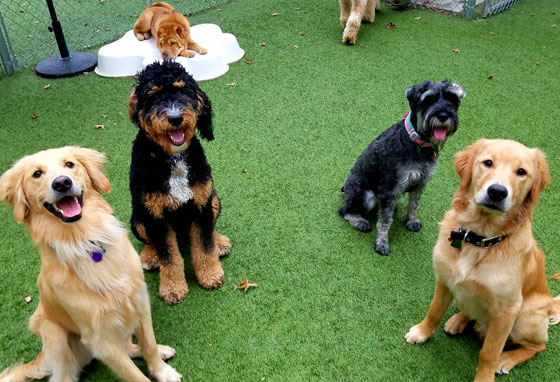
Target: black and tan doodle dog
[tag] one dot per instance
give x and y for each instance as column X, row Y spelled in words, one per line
column 173, row 196
column 402, row 159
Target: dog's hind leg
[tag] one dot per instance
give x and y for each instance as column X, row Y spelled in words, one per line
column 369, row 12
column 31, row 370
column 412, row 222
column 510, row 359
column 345, row 6
column 354, row 21
column 222, row 241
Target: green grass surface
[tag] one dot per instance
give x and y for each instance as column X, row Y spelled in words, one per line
column 327, row 307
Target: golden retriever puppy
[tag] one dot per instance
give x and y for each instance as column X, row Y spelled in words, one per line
column 92, row 294
column 487, row 260
column 352, row 13
column 169, row 28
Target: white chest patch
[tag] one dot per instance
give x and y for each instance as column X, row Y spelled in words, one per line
column 179, row 183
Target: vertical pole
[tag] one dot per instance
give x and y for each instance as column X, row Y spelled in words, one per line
column 7, row 61
column 57, row 28
column 469, row 8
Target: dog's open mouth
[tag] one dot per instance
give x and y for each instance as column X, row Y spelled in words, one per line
column 68, row 209
column 492, row 207
column 177, row 137
column 440, row 133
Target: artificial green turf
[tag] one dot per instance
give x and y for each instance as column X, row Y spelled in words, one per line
column 327, row 307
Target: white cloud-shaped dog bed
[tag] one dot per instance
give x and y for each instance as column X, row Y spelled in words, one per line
column 127, row 56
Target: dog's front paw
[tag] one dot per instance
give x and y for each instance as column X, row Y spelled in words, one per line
column 382, row 247
column 165, row 352
column 413, row 225
column 202, row 50
column 223, row 244
column 456, row 324
column 212, row 277
column 167, row 374
column 416, row 335
column 186, row 53
column 141, row 36
column 173, row 294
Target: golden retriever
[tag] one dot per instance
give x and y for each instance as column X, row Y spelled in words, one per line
column 92, row 294
column 170, row 29
column 502, row 287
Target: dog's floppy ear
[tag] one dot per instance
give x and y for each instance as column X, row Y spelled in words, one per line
column 204, row 112
column 413, row 91
column 457, row 90
column 11, row 191
column 542, row 177
column 93, row 162
column 464, row 161
column 132, row 107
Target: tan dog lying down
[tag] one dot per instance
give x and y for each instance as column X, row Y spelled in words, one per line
column 170, row 29
column 499, row 282
column 92, row 294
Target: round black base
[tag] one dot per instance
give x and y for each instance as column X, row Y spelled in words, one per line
column 57, row 67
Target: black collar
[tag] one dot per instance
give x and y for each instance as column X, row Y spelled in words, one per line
column 457, row 238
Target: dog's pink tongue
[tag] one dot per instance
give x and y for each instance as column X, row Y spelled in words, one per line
column 440, row 133
column 70, row 207
column 177, row 136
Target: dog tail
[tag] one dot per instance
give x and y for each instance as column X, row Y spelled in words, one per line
column 25, row 372
column 554, row 314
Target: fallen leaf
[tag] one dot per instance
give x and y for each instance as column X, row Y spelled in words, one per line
column 262, row 44
column 244, row 171
column 219, row 9
column 249, row 61
column 295, row 46
column 27, row 299
column 275, row 14
column 104, row 116
column 456, row 50
column 98, row 127
column 537, row 62
column 532, row 14
column 302, row 33
column 245, row 285
column 34, row 115
column 492, row 33
column 490, row 77
column 231, row 84
column 417, row 18
column 555, row 25
column 455, row 64
column 390, row 26
column 47, row 86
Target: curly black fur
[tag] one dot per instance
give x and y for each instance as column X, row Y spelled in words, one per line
column 152, row 167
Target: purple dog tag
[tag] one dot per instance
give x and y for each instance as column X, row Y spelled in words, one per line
column 97, row 256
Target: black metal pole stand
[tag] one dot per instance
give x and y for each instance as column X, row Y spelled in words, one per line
column 66, row 64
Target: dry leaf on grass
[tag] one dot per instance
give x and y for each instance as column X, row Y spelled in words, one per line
column 492, row 33
column 555, row 25
column 418, row 18
column 456, row 50
column 231, row 84
column 490, row 77
column 390, row 26
column 104, row 116
column 27, row 299
column 47, row 86
column 100, row 127
column 245, row 285
column 302, row 33
column 262, row 44
column 275, row 14
column 244, row 171
column 249, row 61
column 34, row 115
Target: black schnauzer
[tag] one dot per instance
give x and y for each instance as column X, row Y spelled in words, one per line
column 173, row 196
column 402, row 159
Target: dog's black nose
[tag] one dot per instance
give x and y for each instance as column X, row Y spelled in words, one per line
column 443, row 116
column 497, row 193
column 62, row 183
column 175, row 120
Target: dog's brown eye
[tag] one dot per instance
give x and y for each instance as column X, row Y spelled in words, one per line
column 521, row 172
column 37, row 174
column 487, row 163
column 69, row 164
